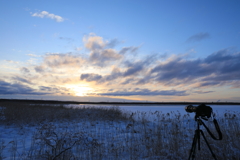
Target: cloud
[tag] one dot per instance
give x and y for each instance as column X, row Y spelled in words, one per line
column 129, row 69
column 209, row 83
column 144, row 92
column 128, row 81
column 116, row 73
column 133, row 69
column 56, row 60
column 218, row 68
column 7, row 88
column 223, row 55
column 24, row 70
column 103, row 56
column 112, row 43
column 100, row 54
column 17, row 88
column 198, row 37
column 45, row 14
column 93, row 42
column 110, row 67
column 39, row 69
column 202, row 92
column 20, row 79
column 69, row 40
column 59, row 62
column 54, row 89
column 138, row 66
column 178, row 68
column 90, row 77
column 130, row 49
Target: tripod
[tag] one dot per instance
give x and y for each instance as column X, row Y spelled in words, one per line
column 196, row 140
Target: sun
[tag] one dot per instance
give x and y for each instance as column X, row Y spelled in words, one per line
column 82, row 90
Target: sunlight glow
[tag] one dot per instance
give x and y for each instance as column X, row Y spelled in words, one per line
column 80, row 90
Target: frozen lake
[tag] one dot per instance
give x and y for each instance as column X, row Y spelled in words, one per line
column 220, row 109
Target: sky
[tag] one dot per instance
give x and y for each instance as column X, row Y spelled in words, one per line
column 120, row 50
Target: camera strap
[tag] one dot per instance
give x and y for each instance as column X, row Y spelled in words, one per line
column 216, row 127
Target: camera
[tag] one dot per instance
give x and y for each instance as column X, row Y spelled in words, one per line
column 202, row 110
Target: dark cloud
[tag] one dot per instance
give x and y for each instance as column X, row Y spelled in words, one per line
column 198, row 37
column 104, row 57
column 209, row 83
column 126, row 50
column 24, row 70
column 145, row 92
column 134, row 68
column 90, row 77
column 53, row 89
column 66, row 39
column 39, row 69
column 17, row 78
column 128, row 81
column 219, row 68
column 144, row 80
column 112, row 43
column 202, row 92
column 215, row 69
column 131, row 69
column 179, row 69
column 225, row 61
column 116, row 73
column 220, row 56
column 17, row 88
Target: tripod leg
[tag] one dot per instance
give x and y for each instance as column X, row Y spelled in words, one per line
column 194, row 143
column 198, row 139
column 214, row 156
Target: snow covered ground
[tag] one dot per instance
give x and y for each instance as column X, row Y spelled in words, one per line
column 152, row 132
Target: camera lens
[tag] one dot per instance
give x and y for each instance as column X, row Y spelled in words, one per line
column 190, row 108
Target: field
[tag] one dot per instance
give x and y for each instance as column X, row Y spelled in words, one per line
column 51, row 131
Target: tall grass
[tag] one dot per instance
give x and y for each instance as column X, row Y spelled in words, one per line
column 33, row 114
column 110, row 133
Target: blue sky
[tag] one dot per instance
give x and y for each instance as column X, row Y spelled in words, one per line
column 120, row 50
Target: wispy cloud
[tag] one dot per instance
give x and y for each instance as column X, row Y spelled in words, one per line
column 198, row 37
column 20, row 79
column 45, row 14
column 69, row 40
column 144, row 92
column 62, row 60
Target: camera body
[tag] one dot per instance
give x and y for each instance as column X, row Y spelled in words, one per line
column 202, row 110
